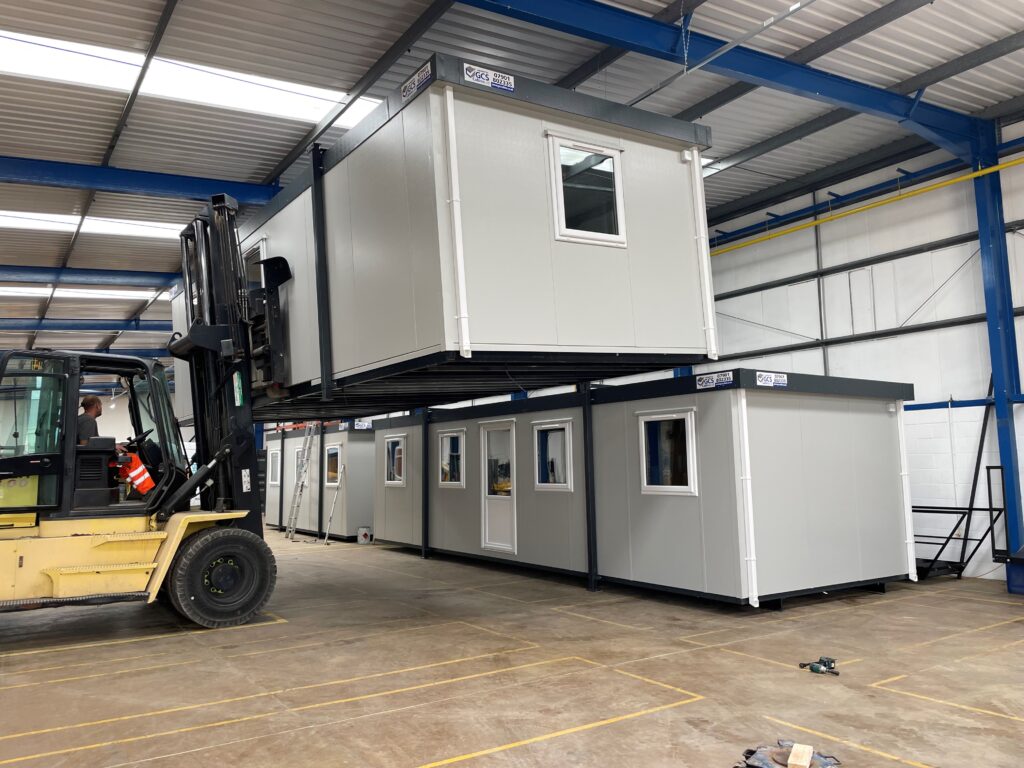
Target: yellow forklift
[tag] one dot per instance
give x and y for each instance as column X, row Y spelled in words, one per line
column 69, row 535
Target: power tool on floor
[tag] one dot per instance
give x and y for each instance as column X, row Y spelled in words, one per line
column 825, row 665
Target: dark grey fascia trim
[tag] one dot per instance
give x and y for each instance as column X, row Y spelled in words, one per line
column 506, row 408
column 449, row 69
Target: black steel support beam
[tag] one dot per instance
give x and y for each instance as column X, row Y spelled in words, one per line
column 321, row 484
column 961, row 64
column 362, row 86
column 108, row 153
column 605, row 58
column 830, row 42
column 588, row 482
column 425, row 480
column 323, row 286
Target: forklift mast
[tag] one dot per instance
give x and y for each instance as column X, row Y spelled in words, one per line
column 234, row 343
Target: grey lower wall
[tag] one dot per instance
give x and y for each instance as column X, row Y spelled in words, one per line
column 828, row 500
column 685, row 542
column 550, row 523
column 398, row 510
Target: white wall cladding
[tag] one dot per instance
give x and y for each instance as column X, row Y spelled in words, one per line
column 939, row 284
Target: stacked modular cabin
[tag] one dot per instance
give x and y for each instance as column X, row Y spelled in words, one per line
column 481, row 232
column 745, row 486
column 338, row 498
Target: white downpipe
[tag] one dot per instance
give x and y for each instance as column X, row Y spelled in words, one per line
column 747, row 491
column 700, row 228
column 908, row 509
column 455, row 205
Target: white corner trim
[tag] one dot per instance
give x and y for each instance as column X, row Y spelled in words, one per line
column 908, row 509
column 455, row 206
column 700, row 237
column 747, row 499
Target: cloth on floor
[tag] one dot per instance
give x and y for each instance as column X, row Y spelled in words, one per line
column 773, row 757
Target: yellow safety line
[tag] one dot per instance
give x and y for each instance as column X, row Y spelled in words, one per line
column 965, row 631
column 790, row 667
column 657, row 682
column 603, row 621
column 977, row 710
column 867, row 207
column 251, row 696
column 262, row 715
column 80, row 664
column 848, row 743
column 563, row 732
column 347, row 639
column 97, row 674
column 161, row 636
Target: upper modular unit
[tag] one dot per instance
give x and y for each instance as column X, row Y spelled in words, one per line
column 509, row 232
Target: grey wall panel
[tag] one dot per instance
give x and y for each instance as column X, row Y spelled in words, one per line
column 397, row 510
column 827, row 499
column 646, row 295
column 182, row 380
column 290, row 234
column 688, row 542
column 359, row 454
column 550, row 524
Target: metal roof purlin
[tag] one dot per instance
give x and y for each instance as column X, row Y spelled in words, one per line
column 953, row 131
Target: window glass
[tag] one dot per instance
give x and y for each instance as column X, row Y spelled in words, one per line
column 666, row 453
column 333, row 465
column 499, row 462
column 395, row 468
column 552, row 456
column 451, row 458
column 31, row 416
column 588, row 191
column 274, row 468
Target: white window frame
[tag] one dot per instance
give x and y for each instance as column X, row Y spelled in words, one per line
column 689, row 416
column 295, row 464
column 563, row 232
column 271, row 455
column 461, row 434
column 400, row 439
column 327, row 455
column 538, row 426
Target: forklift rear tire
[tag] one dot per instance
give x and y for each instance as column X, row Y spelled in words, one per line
column 222, row 577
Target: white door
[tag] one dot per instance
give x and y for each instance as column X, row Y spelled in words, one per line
column 499, row 474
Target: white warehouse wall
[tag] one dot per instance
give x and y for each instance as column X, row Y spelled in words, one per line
column 935, row 285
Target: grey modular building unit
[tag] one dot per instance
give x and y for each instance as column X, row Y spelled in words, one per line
column 744, row 486
column 339, row 480
column 480, row 230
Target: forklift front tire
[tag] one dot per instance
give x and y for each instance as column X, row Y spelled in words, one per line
column 222, row 577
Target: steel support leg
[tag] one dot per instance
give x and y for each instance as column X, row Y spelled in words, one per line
column 588, row 481
column 1002, row 341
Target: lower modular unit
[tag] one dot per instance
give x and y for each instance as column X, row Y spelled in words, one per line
column 338, row 497
column 741, row 485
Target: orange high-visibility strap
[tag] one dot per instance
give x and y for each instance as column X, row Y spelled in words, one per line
column 136, row 472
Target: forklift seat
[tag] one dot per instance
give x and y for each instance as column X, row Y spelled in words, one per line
column 94, row 481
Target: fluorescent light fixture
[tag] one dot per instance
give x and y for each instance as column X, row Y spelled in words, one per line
column 60, row 222
column 63, row 61
column 42, row 291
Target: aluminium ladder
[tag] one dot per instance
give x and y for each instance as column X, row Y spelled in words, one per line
column 301, row 478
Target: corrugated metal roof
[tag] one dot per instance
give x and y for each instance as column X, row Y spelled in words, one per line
column 201, row 140
column 9, row 340
column 18, row 306
column 69, row 340
column 56, row 121
column 110, row 23
column 23, row 197
column 93, row 251
column 325, row 44
column 733, row 130
column 90, row 308
column 31, row 248
column 136, row 207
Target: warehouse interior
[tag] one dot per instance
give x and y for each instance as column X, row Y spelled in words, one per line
column 717, row 456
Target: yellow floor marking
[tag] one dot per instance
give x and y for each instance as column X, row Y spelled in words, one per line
column 658, row 683
column 251, row 696
column 760, row 658
column 162, row 636
column 848, row 743
column 302, row 635
column 319, row 643
column 81, row 664
column 563, row 732
column 303, row 708
column 881, row 685
column 848, row 662
column 97, row 674
column 603, row 621
column 963, row 632
column 1018, row 603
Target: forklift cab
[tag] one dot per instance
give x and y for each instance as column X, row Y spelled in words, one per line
column 46, row 472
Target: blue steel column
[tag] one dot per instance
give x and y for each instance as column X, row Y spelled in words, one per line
column 1002, row 339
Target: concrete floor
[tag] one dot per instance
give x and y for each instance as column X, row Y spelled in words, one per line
column 370, row 656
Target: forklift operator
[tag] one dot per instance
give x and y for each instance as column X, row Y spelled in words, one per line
column 92, row 409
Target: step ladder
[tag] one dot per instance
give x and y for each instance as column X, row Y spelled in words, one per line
column 334, row 502
column 301, row 479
